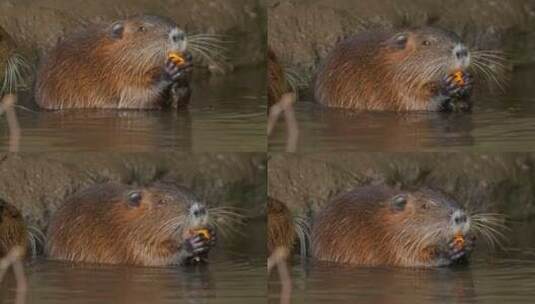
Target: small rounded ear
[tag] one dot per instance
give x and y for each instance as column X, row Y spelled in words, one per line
column 399, row 202
column 117, row 30
column 134, row 198
column 399, row 41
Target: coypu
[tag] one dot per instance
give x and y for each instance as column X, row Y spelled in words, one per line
column 13, row 230
column 277, row 84
column 112, row 223
column 123, row 65
column 377, row 225
column 281, row 97
column 422, row 69
column 280, row 226
column 14, row 70
column 283, row 229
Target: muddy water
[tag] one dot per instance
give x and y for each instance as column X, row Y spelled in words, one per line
column 493, row 277
column 236, row 274
column 499, row 122
column 227, row 113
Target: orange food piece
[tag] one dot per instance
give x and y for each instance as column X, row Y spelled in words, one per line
column 458, row 241
column 204, row 232
column 458, row 77
column 176, row 58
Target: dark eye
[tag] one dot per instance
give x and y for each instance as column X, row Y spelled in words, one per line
column 117, row 30
column 141, row 28
column 426, row 43
column 134, row 199
column 399, row 202
column 400, row 41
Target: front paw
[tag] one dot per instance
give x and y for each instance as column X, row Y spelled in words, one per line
column 175, row 72
column 459, row 254
column 200, row 244
column 458, row 85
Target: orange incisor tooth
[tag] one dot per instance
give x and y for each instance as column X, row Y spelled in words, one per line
column 176, row 58
column 203, row 232
column 458, row 77
column 458, row 241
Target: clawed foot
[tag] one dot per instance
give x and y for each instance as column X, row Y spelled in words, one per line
column 460, row 254
column 198, row 246
column 455, row 88
column 174, row 72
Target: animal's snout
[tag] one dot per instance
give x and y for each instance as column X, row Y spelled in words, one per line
column 461, row 53
column 177, row 35
column 461, row 56
column 198, row 210
column 459, row 219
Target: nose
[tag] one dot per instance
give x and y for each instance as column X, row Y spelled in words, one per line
column 178, row 36
column 459, row 217
column 198, row 210
column 461, row 53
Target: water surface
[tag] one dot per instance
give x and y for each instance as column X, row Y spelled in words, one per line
column 499, row 122
column 235, row 274
column 226, row 113
column 498, row 276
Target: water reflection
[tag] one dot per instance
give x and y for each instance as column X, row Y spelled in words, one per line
column 236, row 274
column 498, row 122
column 492, row 277
column 227, row 113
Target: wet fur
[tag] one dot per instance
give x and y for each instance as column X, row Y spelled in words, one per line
column 360, row 228
column 91, row 69
column 277, row 84
column 284, row 229
column 367, row 72
column 98, row 226
column 15, row 72
column 13, row 231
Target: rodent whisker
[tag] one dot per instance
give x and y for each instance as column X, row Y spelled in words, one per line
column 302, row 229
column 295, row 80
column 429, row 238
column 416, row 79
column 496, row 53
column 172, row 225
column 487, row 225
column 495, row 60
column 210, row 48
column 488, row 73
column 37, row 237
column 226, row 221
column 209, row 55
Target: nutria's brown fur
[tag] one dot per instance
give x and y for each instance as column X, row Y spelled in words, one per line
column 280, row 226
column 377, row 225
column 14, row 69
column 7, row 47
column 13, row 230
column 396, row 71
column 277, row 84
column 120, row 65
column 285, row 230
column 118, row 224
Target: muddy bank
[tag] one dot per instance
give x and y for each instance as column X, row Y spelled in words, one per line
column 37, row 25
column 38, row 184
column 481, row 182
column 302, row 32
